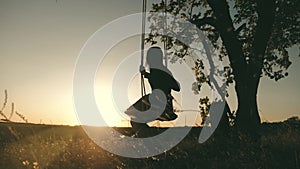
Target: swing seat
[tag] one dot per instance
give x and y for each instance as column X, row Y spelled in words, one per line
column 138, row 109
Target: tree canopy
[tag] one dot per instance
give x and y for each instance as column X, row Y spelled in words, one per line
column 254, row 35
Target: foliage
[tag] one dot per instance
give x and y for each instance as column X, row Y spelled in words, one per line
column 204, row 108
column 285, row 30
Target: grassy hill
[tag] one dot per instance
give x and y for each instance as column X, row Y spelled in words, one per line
column 24, row 145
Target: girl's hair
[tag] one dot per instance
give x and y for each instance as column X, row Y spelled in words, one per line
column 155, row 57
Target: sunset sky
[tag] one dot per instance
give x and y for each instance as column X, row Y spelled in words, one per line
column 41, row 40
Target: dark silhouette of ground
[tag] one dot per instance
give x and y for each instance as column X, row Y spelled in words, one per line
column 47, row 146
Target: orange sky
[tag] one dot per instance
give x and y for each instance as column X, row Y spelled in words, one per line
column 40, row 41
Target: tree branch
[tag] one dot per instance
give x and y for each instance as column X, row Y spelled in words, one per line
column 205, row 21
column 238, row 30
column 231, row 42
column 262, row 35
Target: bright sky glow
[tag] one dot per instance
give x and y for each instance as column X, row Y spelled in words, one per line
column 40, row 41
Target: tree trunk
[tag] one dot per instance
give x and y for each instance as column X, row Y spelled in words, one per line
column 247, row 118
column 246, row 89
column 247, row 74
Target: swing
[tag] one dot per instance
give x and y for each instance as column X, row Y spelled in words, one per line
column 165, row 26
column 143, row 104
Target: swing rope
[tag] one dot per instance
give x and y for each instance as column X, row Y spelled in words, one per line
column 165, row 26
column 143, row 89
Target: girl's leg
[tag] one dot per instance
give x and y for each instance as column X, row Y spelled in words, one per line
column 139, row 129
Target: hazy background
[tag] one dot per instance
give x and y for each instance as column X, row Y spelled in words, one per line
column 40, row 41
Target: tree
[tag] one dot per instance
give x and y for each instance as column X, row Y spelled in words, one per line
column 255, row 36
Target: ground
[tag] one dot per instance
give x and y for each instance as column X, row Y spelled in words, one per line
column 24, row 145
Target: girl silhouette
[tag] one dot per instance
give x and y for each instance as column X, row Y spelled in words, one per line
column 161, row 78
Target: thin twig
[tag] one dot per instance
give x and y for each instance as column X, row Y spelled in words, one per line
column 22, row 117
column 5, row 100
column 12, row 110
